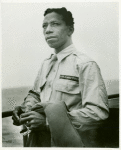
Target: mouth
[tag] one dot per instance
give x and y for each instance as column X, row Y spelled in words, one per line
column 51, row 37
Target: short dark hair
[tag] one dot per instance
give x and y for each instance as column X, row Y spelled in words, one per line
column 66, row 15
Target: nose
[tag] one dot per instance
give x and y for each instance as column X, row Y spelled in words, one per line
column 48, row 29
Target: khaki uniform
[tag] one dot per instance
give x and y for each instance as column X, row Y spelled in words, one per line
column 74, row 78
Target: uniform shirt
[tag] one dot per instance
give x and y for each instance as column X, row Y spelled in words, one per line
column 74, row 78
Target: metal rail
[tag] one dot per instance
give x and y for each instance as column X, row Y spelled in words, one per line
column 113, row 96
column 9, row 113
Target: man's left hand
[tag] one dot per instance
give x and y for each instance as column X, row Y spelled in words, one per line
column 35, row 120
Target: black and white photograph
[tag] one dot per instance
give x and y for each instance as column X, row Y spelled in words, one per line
column 60, row 74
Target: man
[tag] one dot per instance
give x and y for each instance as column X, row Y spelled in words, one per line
column 69, row 91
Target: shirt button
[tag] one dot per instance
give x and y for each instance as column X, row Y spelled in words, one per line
column 54, row 70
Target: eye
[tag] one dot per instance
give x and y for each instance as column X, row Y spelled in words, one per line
column 44, row 26
column 55, row 24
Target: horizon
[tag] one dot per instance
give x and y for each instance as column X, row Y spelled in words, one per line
column 32, row 85
column 112, row 87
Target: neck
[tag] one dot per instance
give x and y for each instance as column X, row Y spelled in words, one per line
column 69, row 42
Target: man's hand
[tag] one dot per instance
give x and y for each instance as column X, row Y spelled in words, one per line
column 16, row 115
column 35, row 120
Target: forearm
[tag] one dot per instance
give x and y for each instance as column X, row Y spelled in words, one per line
column 86, row 119
column 31, row 99
column 91, row 114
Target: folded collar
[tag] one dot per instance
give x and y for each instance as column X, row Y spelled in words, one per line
column 65, row 52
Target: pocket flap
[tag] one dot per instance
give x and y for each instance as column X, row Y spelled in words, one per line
column 67, row 87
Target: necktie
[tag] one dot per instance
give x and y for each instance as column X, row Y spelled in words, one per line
column 51, row 63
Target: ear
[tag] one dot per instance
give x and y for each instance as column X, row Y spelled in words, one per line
column 70, row 30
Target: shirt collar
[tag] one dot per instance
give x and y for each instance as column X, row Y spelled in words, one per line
column 65, row 52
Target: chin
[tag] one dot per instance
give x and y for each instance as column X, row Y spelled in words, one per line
column 53, row 45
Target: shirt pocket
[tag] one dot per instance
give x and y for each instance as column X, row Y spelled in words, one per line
column 69, row 92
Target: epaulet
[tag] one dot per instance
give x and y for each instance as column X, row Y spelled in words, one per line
column 82, row 58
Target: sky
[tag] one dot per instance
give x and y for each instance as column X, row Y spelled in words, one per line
column 24, row 48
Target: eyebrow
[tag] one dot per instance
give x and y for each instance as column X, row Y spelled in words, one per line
column 51, row 22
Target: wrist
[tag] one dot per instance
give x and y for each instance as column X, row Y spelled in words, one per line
column 44, row 104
